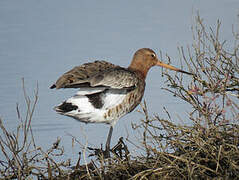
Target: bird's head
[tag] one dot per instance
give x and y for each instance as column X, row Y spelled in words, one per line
column 146, row 58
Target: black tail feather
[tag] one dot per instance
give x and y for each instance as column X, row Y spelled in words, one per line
column 65, row 107
column 53, row 86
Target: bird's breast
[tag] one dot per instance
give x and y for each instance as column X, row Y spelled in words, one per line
column 118, row 105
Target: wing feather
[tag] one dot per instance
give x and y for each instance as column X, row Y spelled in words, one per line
column 100, row 74
column 79, row 75
column 117, row 78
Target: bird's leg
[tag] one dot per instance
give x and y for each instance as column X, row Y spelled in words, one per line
column 106, row 153
column 107, row 145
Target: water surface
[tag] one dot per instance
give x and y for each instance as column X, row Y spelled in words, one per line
column 40, row 40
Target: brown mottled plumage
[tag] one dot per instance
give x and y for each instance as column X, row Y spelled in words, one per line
column 71, row 78
column 107, row 91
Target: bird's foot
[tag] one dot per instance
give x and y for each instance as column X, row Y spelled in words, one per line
column 120, row 150
column 99, row 152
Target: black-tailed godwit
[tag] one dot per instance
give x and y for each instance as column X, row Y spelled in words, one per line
column 107, row 91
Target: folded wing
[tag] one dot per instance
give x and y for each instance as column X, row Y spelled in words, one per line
column 81, row 73
column 99, row 74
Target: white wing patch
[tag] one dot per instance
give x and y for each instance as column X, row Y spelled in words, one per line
column 113, row 97
column 90, row 90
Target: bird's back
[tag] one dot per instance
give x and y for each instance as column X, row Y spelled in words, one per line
column 82, row 72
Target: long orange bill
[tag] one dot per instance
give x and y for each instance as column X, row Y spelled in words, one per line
column 159, row 63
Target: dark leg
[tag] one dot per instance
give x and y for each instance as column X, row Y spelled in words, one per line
column 107, row 145
column 106, row 153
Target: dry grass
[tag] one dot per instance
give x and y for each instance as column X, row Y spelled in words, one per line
column 207, row 149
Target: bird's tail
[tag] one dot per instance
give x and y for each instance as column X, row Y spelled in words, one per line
column 81, row 109
column 65, row 107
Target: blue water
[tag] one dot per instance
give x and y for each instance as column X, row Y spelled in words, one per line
column 40, row 40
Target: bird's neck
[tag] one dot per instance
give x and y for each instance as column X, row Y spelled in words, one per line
column 140, row 69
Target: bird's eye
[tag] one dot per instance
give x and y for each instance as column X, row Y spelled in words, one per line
column 153, row 55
